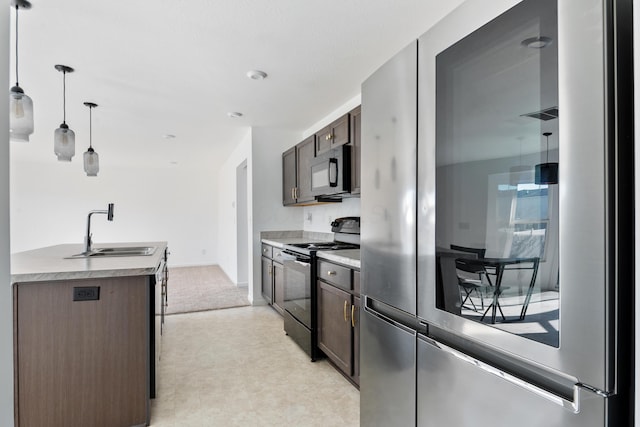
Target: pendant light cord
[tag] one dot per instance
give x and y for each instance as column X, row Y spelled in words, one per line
column 547, row 148
column 64, row 97
column 547, row 135
column 17, row 45
column 90, row 130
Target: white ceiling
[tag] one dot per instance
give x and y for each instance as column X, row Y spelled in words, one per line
column 159, row 67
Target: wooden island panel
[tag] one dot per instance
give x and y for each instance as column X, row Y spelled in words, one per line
column 82, row 363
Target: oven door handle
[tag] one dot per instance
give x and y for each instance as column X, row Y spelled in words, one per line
column 292, row 256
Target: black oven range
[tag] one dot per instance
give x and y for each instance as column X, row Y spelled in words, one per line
column 299, row 262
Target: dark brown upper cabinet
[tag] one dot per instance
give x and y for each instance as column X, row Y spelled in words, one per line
column 333, row 135
column 296, row 172
column 355, row 131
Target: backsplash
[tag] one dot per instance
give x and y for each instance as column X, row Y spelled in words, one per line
column 318, row 218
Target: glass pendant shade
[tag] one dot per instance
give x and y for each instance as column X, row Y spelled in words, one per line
column 91, row 163
column 64, row 139
column 64, row 143
column 20, row 105
column 20, row 115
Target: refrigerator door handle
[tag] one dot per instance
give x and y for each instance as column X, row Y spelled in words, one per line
column 573, row 406
column 384, row 318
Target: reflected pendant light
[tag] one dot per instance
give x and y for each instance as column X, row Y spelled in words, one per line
column 91, row 165
column 520, row 174
column 20, row 105
column 64, row 139
column 547, row 173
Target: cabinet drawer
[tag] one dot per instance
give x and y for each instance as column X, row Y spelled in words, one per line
column 277, row 255
column 336, row 274
column 267, row 251
column 356, row 282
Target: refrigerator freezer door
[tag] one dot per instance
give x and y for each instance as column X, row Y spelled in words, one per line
column 388, row 196
column 387, row 372
column 456, row 390
column 474, row 136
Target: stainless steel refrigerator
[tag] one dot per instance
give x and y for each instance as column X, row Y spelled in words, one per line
column 497, row 220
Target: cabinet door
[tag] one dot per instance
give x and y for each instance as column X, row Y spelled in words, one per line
column 333, row 135
column 355, row 150
column 289, row 176
column 356, row 340
column 278, row 287
column 305, row 152
column 340, row 131
column 334, row 325
column 267, row 280
column 323, row 140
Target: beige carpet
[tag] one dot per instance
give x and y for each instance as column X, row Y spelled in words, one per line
column 202, row 288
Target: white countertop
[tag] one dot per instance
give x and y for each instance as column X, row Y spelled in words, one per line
column 348, row 257
column 51, row 263
column 280, row 242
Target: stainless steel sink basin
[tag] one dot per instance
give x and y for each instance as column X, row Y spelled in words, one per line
column 119, row 251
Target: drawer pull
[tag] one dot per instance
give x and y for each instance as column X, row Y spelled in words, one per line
column 344, row 311
column 331, row 273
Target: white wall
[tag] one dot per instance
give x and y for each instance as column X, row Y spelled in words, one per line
column 50, row 202
column 318, row 218
column 266, row 210
column 6, row 312
column 262, row 148
column 227, row 236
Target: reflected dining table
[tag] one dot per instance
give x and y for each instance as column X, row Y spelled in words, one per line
column 496, row 267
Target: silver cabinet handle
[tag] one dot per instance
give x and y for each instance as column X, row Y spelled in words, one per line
column 332, row 273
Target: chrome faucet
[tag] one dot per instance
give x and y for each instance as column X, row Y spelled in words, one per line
column 87, row 238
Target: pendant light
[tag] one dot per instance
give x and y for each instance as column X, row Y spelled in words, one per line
column 64, row 139
column 547, row 173
column 20, row 105
column 91, row 165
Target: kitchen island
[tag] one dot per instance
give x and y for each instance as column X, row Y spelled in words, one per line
column 86, row 335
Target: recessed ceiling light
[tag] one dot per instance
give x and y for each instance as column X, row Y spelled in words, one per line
column 168, row 136
column 537, row 42
column 256, row 75
column 234, row 114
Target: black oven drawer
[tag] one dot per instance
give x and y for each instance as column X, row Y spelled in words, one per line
column 335, row 274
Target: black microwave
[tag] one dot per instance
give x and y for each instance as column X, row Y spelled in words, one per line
column 331, row 172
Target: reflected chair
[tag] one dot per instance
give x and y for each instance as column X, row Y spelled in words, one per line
column 470, row 279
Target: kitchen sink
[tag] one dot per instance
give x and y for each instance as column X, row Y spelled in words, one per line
column 118, row 251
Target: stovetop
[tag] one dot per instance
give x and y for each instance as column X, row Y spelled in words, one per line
column 308, row 248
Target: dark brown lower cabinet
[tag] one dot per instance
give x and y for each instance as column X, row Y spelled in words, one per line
column 278, row 287
column 273, row 277
column 334, row 326
column 356, row 340
column 82, row 352
column 267, row 279
column 339, row 326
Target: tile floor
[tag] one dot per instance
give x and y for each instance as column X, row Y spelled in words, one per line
column 236, row 367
